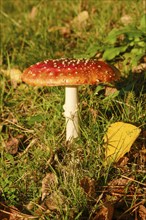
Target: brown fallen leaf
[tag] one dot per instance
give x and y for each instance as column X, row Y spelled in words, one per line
column 142, row 212
column 105, row 212
column 117, row 187
column 49, row 184
column 9, row 213
column 12, row 213
column 110, row 91
column 122, row 163
column 142, row 155
column 12, row 145
column 88, row 186
column 55, row 201
column 140, row 68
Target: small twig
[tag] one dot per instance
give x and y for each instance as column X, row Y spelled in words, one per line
column 127, row 196
column 94, row 207
column 133, row 180
column 132, row 208
column 17, row 214
column 18, row 126
column 28, row 147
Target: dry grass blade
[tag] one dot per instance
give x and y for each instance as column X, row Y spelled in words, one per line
column 131, row 179
column 18, row 126
column 12, row 213
column 32, row 142
column 133, row 208
column 33, row 31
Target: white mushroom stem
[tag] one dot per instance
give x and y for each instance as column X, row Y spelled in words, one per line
column 71, row 112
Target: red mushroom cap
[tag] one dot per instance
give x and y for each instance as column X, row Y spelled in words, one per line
column 68, row 72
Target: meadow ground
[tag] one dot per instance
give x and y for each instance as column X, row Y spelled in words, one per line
column 42, row 176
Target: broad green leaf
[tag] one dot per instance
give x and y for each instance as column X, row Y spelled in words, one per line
column 129, row 31
column 98, row 89
column 138, row 51
column 92, row 50
column 143, row 23
column 134, row 55
column 35, row 119
column 111, row 53
column 118, row 140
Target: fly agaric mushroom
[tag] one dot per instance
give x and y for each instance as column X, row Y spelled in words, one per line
column 70, row 73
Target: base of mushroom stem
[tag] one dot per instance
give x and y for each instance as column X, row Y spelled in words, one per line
column 71, row 113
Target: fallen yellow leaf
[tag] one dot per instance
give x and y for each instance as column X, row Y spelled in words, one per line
column 118, row 140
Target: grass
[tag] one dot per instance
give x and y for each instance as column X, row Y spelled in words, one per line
column 32, row 130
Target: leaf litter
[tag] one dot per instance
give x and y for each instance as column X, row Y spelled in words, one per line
column 104, row 200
